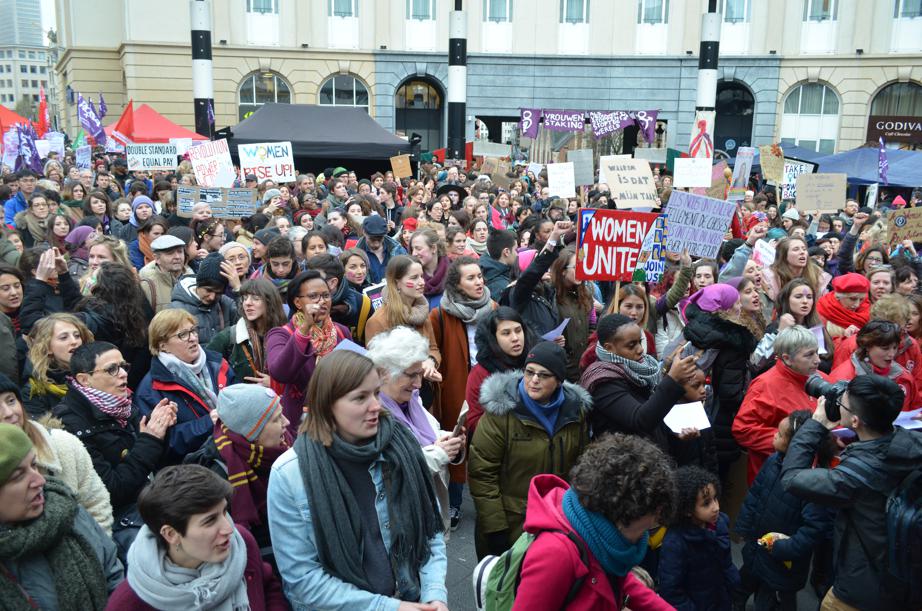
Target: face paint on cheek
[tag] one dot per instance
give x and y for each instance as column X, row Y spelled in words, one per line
column 410, row 285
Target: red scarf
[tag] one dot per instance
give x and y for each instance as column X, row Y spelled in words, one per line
column 833, row 311
column 435, row 284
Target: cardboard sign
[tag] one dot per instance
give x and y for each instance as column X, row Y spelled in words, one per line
column 211, row 162
column 603, row 161
column 771, row 158
column 631, row 183
column 792, row 169
column 224, row 203
column 583, row 170
column 500, row 175
column 268, row 160
column 609, row 243
column 905, row 224
column 692, row 172
column 83, row 157
column 400, row 165
column 560, row 180
column 741, row 171
column 697, row 223
column 823, row 192
column 151, row 157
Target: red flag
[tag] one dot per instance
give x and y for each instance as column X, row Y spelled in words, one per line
column 124, row 129
column 41, row 128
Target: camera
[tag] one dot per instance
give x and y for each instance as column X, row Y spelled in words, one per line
column 818, row 387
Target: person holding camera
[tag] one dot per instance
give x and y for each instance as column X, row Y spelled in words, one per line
column 870, row 470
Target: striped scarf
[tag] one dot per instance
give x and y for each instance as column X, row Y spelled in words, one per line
column 116, row 407
column 645, row 372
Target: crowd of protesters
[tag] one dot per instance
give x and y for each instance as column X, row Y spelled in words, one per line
column 286, row 411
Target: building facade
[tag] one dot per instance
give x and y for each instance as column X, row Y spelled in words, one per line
column 819, row 73
column 25, row 63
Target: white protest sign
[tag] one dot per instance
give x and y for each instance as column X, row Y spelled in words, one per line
column 697, row 223
column 631, row 183
column 151, row 157
column 692, row 172
column 84, row 157
column 56, row 142
column 224, row 203
column 603, row 161
column 211, row 162
column 583, row 172
column 793, row 169
column 182, row 145
column 650, row 154
column 273, row 160
column 764, row 253
column 42, row 147
column 10, row 148
column 560, row 180
column 535, row 168
column 484, row 148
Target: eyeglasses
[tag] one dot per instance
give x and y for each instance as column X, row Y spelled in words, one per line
column 184, row 336
column 114, row 369
column 317, row 297
column 542, row 376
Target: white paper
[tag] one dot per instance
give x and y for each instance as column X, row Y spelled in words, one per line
column 557, row 331
column 43, row 147
column 603, row 159
column 560, row 179
column 687, row 416
column 763, row 253
column 820, row 339
column 692, row 172
column 907, row 419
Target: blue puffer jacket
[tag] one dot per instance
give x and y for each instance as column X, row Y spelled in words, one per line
column 768, row 508
column 696, row 572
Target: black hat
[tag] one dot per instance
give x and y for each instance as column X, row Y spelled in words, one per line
column 209, row 272
column 267, row 234
column 550, row 356
column 7, row 385
column 252, row 177
column 447, row 188
column 374, row 225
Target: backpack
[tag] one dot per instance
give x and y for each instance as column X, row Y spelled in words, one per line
column 496, row 578
column 901, row 575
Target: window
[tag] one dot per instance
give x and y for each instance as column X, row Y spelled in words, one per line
column 43, row 69
column 22, row 54
column 33, row 69
column 35, row 97
column 810, row 117
column 34, row 84
column 907, row 9
column 41, row 55
column 421, row 10
column 498, row 11
column 898, row 100
column 652, row 11
column 261, row 88
column 820, row 10
column 344, row 90
column 25, row 83
column 263, row 7
column 31, row 54
column 343, row 8
column 737, row 11
column 24, row 69
column 574, row 11
column 1, row 69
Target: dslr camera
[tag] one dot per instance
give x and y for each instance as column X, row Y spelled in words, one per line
column 818, row 387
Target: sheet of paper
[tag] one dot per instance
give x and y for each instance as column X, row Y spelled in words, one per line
column 687, row 416
column 556, row 332
column 907, row 419
column 350, row 345
column 820, row 339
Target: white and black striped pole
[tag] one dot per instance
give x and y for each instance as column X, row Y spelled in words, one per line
column 457, row 82
column 706, row 98
column 202, row 80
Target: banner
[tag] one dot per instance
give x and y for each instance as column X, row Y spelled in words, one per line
column 151, row 157
column 528, row 121
column 84, row 157
column 89, row 120
column 702, row 145
column 608, row 122
column 631, row 183
column 583, row 170
column 609, row 243
column 652, row 259
column 697, row 223
column 56, row 143
column 268, row 160
column 741, row 171
column 905, row 224
column 823, row 192
column 692, row 172
column 224, row 203
column 560, row 180
column 564, row 120
column 211, row 162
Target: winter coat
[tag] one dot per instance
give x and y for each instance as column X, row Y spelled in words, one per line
column 908, row 356
column 378, row 323
column 376, row 266
column 40, row 403
column 770, row 399
column 193, row 422
column 475, row 380
column 12, row 207
column 157, row 285
column 39, row 299
column 100, row 318
column 77, row 267
column 535, row 300
column 212, row 318
column 861, row 520
column 696, row 571
column 510, row 447
column 846, row 371
column 233, row 343
column 553, row 563
column 264, row 590
column 496, row 275
column 577, row 331
column 123, row 457
column 9, row 339
column 769, row 508
column 352, row 309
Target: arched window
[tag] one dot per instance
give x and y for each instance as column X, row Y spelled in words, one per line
column 811, row 117
column 262, row 88
column 898, row 100
column 344, row 90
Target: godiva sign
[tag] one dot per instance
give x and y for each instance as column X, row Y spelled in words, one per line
column 895, row 129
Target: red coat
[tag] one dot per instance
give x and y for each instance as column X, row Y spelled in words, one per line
column 846, row 371
column 475, row 378
column 553, row 564
column 770, row 399
column 264, row 590
column 909, row 357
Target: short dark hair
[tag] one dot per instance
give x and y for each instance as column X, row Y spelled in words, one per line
column 608, row 326
column 878, row 333
column 84, row 357
column 691, row 481
column 6, row 268
column 280, row 247
column 876, row 400
column 498, row 241
column 329, row 264
column 453, row 276
column 25, row 173
column 294, row 287
column 179, row 492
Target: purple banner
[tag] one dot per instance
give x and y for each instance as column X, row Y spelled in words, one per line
column 28, row 155
column 102, row 107
column 883, row 165
column 90, row 120
column 528, row 121
column 609, row 121
column 646, row 122
column 564, row 120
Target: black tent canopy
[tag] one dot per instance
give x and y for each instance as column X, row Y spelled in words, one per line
column 327, row 132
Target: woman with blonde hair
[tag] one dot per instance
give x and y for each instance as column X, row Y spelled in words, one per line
column 103, row 249
column 52, row 341
column 792, row 261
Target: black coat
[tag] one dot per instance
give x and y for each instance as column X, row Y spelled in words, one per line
column 535, row 300
column 123, row 457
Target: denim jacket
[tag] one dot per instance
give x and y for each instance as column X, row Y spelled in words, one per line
column 306, row 583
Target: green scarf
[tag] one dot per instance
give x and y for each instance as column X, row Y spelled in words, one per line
column 78, row 577
column 412, row 506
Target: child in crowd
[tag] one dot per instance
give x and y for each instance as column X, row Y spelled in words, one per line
column 696, row 571
column 781, row 530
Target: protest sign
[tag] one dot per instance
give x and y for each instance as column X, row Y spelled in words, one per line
column 905, row 224
column 652, row 259
column 500, row 175
column 741, row 171
column 56, row 142
column 692, row 172
column 211, row 162
column 823, row 192
column 697, row 223
column 763, row 253
column 84, row 157
column 631, row 182
column 606, row 159
column 870, row 196
column 609, row 243
column 535, row 168
column 719, row 182
column 268, row 160
column 10, row 148
column 376, row 294
column 560, row 179
column 150, row 157
column 182, row 145
column 771, row 158
column 583, row 172
column 43, row 147
column 224, row 203
column 484, row 148
column 650, row 154
column 564, row 120
column 792, row 169
column 400, row 165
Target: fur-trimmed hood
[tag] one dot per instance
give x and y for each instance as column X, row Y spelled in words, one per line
column 499, row 394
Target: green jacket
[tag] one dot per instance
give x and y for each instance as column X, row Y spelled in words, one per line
column 510, row 447
column 233, row 343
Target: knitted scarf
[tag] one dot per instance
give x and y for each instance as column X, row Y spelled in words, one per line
column 833, row 311
column 144, row 246
column 470, row 311
column 411, row 502
column 412, row 414
column 77, row 575
column 217, row 586
column 616, row 555
column 323, row 336
column 194, row 376
column 545, row 413
column 479, row 247
column 116, row 407
column 645, row 372
column 435, row 284
column 37, row 228
column 248, row 467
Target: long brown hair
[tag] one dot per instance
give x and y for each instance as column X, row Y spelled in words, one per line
column 558, row 271
column 632, row 290
column 784, row 273
column 398, row 311
column 336, row 375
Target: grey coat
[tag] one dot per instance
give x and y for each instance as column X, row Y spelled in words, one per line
column 212, row 319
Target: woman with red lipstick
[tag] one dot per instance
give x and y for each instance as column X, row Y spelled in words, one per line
column 52, row 342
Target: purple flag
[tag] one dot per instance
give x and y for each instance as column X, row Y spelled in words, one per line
column 528, row 121
column 210, row 113
column 90, row 120
column 883, row 165
column 564, row 120
column 609, row 121
column 28, row 155
column 646, row 122
column 92, row 106
column 102, row 107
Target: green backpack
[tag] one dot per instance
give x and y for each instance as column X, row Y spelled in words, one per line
column 496, row 578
